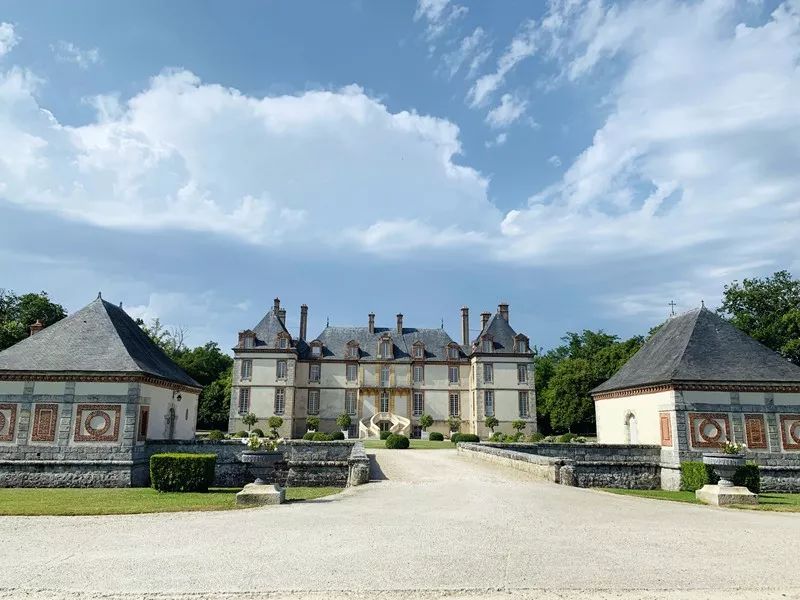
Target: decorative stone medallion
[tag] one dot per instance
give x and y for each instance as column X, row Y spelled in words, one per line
column 45, row 419
column 790, row 432
column 666, row 429
column 97, row 422
column 8, row 421
column 708, row 430
column 755, row 432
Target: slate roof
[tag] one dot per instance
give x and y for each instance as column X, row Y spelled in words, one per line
column 268, row 329
column 335, row 340
column 502, row 334
column 700, row 346
column 99, row 338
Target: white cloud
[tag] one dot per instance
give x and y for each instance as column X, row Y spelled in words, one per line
column 554, row 161
column 70, row 53
column 439, row 15
column 522, row 46
column 331, row 166
column 498, row 140
column 507, row 112
column 472, row 52
column 8, row 38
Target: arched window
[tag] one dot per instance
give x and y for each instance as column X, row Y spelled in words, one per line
column 631, row 429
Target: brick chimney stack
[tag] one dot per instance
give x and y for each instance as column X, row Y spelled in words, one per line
column 399, row 323
column 372, row 322
column 282, row 316
column 465, row 326
column 303, row 321
column 36, row 327
column 484, row 319
column 502, row 309
column 276, row 305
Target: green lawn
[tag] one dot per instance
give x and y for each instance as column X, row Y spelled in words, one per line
column 767, row 501
column 415, row 444
column 118, row 501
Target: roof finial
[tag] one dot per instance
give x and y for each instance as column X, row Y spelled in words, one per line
column 327, row 321
column 442, row 322
column 99, row 295
column 671, row 304
column 702, row 304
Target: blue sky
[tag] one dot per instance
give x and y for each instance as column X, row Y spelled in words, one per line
column 586, row 161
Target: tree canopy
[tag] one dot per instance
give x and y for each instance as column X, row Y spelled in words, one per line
column 18, row 313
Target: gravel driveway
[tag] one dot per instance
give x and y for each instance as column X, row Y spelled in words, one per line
column 436, row 526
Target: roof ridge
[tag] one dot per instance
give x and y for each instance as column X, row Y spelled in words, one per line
column 689, row 337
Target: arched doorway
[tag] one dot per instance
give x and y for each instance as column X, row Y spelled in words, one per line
column 631, row 429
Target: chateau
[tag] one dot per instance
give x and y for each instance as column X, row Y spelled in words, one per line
column 384, row 378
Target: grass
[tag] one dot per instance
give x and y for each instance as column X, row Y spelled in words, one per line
column 415, row 444
column 120, row 501
column 767, row 501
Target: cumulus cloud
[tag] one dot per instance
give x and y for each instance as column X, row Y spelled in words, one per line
column 439, row 15
column 510, row 109
column 336, row 168
column 70, row 53
column 8, row 38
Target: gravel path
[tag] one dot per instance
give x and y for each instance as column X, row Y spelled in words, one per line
column 438, row 526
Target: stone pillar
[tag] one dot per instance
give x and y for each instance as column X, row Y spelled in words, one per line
column 502, row 310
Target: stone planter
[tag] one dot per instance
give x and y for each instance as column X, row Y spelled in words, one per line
column 346, row 433
column 724, row 465
column 424, row 435
column 261, row 464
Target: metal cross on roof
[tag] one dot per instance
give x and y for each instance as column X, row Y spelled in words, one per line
column 672, row 305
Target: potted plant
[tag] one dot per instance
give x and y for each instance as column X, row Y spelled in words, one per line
column 312, row 423
column 725, row 462
column 455, row 425
column 425, row 421
column 491, row 423
column 344, row 421
column 274, row 423
column 261, row 457
column 250, row 419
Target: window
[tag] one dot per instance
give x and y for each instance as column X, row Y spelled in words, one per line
column 523, row 404
column 419, row 351
column 488, row 403
column 316, row 350
column 386, row 349
column 452, row 374
column 419, row 373
column 522, row 373
column 455, row 405
column 452, row 353
column 351, row 372
column 522, row 345
column 244, row 400
column 350, row 406
column 352, row 351
column 418, row 404
column 487, row 345
column 144, row 418
column 246, row 369
column 488, row 372
column 313, row 402
column 314, row 372
column 247, row 342
column 280, row 401
column 385, row 374
column 384, row 401
column 282, row 369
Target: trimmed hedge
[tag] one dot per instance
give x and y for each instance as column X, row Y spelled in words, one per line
column 397, row 442
column 240, row 434
column 694, row 475
column 215, row 435
column 436, row 436
column 465, row 437
column 385, row 434
column 497, row 436
column 309, row 435
column 257, row 431
column 336, row 435
column 321, row 437
column 182, row 472
column 535, row 437
column 566, row 438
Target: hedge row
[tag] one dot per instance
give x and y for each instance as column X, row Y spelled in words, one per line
column 464, row 437
column 318, row 436
column 182, row 472
column 694, row 475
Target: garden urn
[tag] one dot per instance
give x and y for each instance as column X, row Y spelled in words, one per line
column 724, row 465
column 262, row 463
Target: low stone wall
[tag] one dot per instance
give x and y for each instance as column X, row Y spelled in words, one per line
column 76, row 474
column 780, row 479
column 581, row 465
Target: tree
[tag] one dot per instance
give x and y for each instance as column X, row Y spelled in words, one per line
column 275, row 423
column 250, row 419
column 312, row 423
column 343, row 421
column 767, row 309
column 566, row 398
column 18, row 313
column 215, row 402
column 171, row 341
column 454, row 423
column 491, row 423
column 425, row 421
column 519, row 425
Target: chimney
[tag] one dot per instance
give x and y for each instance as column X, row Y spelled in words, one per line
column 372, row 322
column 465, row 326
column 36, row 327
column 303, row 321
column 399, row 323
column 502, row 309
column 484, row 319
column 276, row 305
column 282, row 316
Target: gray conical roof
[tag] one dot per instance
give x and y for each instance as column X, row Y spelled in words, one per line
column 700, row 346
column 99, row 338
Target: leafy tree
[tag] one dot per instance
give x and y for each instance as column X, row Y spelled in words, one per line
column 343, row 421
column 566, row 399
column 171, row 341
column 275, row 423
column 251, row 419
column 18, row 313
column 767, row 309
column 215, row 403
column 312, row 423
column 491, row 423
column 425, row 421
column 519, row 425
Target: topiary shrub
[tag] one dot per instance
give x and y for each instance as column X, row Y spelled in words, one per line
column 216, row 435
column 695, row 475
column 275, row 423
column 312, row 423
column 321, row 437
column 309, row 435
column 336, row 435
column 454, row 437
column 385, row 434
column 468, row 437
column 436, row 436
column 240, row 434
column 513, row 438
column 397, row 442
column 182, row 472
column 257, row 431
column 536, row 437
column 566, row 438
column 497, row 436
column 748, row 476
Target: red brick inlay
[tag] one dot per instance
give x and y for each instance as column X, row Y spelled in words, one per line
column 666, row 429
column 86, row 432
column 8, row 421
column 790, row 432
column 708, row 430
column 755, row 432
column 45, row 419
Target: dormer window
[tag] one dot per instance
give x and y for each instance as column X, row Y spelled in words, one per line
column 247, row 339
column 521, row 344
column 352, row 349
column 418, row 350
column 453, row 352
column 283, row 341
column 487, row 345
column 385, row 348
column 316, row 349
